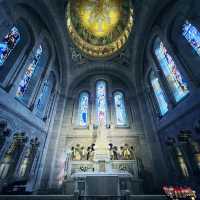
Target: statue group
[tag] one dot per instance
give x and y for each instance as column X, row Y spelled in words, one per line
column 125, row 152
column 81, row 153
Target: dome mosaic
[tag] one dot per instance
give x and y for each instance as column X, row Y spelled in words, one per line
column 99, row 28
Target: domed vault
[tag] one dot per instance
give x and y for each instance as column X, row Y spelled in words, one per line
column 99, row 28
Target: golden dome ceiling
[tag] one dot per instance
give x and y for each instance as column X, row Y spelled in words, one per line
column 99, row 27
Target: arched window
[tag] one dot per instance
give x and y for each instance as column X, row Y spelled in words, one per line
column 159, row 93
column 8, row 44
column 120, row 110
column 44, row 96
column 83, row 109
column 192, row 35
column 29, row 73
column 176, row 83
column 101, row 102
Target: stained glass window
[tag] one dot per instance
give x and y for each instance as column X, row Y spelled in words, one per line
column 159, row 93
column 101, row 102
column 8, row 44
column 83, row 109
column 120, row 111
column 174, row 78
column 192, row 35
column 29, row 73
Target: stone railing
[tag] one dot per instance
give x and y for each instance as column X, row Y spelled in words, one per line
column 125, row 166
column 82, row 166
column 115, row 166
column 77, row 197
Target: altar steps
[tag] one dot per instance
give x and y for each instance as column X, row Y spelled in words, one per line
column 72, row 197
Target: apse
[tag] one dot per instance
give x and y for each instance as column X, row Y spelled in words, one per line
column 99, row 99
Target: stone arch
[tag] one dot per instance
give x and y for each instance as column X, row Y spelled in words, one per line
column 43, row 29
column 101, row 70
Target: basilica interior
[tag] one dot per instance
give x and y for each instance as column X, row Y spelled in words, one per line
column 99, row 97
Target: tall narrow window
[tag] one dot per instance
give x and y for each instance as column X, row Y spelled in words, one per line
column 174, row 78
column 120, row 111
column 83, row 109
column 159, row 93
column 101, row 103
column 23, row 85
column 192, row 35
column 44, row 96
column 8, row 43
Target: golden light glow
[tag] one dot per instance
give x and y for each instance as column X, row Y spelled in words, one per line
column 99, row 27
column 100, row 17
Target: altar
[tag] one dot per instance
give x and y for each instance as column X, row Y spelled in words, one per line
column 122, row 176
column 102, row 170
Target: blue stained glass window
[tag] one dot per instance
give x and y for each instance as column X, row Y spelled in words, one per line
column 159, row 93
column 83, row 109
column 43, row 98
column 192, row 35
column 174, row 78
column 101, row 103
column 8, row 44
column 29, row 73
column 120, row 111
